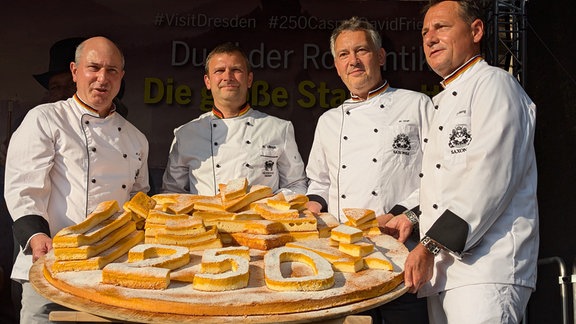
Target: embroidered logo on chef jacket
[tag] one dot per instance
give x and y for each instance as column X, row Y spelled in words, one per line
column 270, row 154
column 269, row 165
column 459, row 139
column 402, row 144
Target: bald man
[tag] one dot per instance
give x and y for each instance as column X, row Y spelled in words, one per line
column 58, row 158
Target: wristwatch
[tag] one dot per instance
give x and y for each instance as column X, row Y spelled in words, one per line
column 412, row 217
column 431, row 245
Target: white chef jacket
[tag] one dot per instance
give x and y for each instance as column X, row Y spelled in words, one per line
column 64, row 160
column 367, row 154
column 478, row 190
column 209, row 150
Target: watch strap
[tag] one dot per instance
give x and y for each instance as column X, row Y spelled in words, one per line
column 412, row 217
column 431, row 245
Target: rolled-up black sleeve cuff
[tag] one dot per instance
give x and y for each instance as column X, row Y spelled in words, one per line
column 26, row 226
column 451, row 231
column 397, row 210
column 319, row 200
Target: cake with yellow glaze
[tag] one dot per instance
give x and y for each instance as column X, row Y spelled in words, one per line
column 228, row 281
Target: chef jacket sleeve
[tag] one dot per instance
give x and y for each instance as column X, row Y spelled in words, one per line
column 27, row 183
column 290, row 164
column 497, row 160
column 317, row 169
column 175, row 178
column 411, row 202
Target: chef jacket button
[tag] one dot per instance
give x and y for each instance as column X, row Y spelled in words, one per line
column 436, row 107
column 374, row 160
column 214, row 125
column 123, row 186
column 374, row 193
column 93, row 149
column 421, row 175
column 348, row 112
column 425, row 140
column 375, row 130
column 247, row 165
column 381, row 106
column 93, row 180
column 248, row 142
column 454, row 93
column 217, row 165
column 215, row 143
column 139, row 159
column 441, row 127
column 87, row 122
column 248, row 124
column 345, row 137
column 124, row 155
column 343, row 196
column 435, row 206
column 119, row 129
column 343, row 166
column 438, row 166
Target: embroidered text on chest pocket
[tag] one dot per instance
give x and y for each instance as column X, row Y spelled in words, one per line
column 405, row 143
column 267, row 162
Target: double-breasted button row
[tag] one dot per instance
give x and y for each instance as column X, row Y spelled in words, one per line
column 93, row 180
column 373, row 193
column 374, row 160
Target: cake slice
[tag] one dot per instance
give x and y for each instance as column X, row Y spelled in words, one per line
column 233, row 189
column 377, row 260
column 358, row 249
column 261, row 241
column 209, row 203
column 160, row 217
column 256, row 192
column 325, row 222
column 140, row 205
column 103, row 211
column 357, row 216
column 340, row 261
column 176, row 203
column 346, row 234
column 93, row 235
column 273, row 213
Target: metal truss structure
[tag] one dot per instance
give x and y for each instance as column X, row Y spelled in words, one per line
column 506, row 36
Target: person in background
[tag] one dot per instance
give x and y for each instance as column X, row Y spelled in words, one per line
column 58, row 80
column 68, row 156
column 367, row 152
column 478, row 255
column 233, row 140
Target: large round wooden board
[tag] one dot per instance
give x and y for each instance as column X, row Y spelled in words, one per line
column 352, row 293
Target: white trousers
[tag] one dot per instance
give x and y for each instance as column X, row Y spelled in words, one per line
column 479, row 304
column 35, row 308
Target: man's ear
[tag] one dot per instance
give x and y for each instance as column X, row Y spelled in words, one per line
column 73, row 70
column 477, row 27
column 381, row 56
column 250, row 79
column 207, row 81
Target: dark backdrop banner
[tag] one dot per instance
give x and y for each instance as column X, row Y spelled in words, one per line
column 166, row 42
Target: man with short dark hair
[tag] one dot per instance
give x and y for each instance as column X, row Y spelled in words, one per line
column 233, row 140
